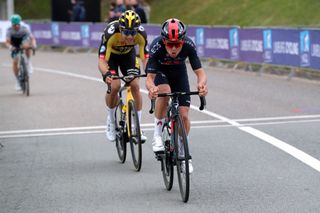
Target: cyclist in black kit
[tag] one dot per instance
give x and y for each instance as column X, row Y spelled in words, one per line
column 167, row 72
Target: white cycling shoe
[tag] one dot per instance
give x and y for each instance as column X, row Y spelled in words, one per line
column 18, row 86
column 157, row 145
column 143, row 137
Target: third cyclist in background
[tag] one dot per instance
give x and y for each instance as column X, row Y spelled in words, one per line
column 167, row 72
column 19, row 36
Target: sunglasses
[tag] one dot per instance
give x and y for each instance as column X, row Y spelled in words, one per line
column 129, row 32
column 173, row 44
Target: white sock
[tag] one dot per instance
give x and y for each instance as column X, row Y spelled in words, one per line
column 181, row 149
column 158, row 124
column 110, row 113
column 139, row 116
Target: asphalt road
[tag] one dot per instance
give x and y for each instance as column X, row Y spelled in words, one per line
column 255, row 149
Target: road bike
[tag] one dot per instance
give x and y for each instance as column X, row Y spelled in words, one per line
column 23, row 72
column 127, row 124
column 175, row 141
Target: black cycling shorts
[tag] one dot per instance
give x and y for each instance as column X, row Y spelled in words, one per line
column 124, row 62
column 177, row 84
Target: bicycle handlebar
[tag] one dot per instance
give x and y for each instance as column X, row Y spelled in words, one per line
column 177, row 94
column 126, row 79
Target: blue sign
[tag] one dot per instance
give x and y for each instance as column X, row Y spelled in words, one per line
column 305, row 48
column 55, row 32
column 200, row 36
column 234, row 37
column 267, row 46
column 234, row 43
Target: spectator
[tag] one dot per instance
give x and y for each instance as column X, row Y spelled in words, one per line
column 116, row 9
column 78, row 12
column 133, row 5
column 146, row 7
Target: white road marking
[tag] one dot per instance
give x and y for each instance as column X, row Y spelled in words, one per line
column 195, row 124
column 298, row 154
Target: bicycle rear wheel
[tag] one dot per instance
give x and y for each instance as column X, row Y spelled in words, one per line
column 135, row 136
column 121, row 143
column 166, row 163
column 182, row 154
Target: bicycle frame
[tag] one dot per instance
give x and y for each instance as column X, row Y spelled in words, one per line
column 173, row 154
column 127, row 123
column 129, row 96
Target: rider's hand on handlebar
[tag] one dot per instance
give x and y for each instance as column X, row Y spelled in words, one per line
column 12, row 48
column 109, row 79
column 203, row 90
column 153, row 92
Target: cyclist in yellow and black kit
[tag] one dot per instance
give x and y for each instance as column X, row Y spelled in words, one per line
column 117, row 51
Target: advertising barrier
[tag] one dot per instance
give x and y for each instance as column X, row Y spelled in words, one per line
column 289, row 47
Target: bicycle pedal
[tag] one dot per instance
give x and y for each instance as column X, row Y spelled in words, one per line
column 159, row 155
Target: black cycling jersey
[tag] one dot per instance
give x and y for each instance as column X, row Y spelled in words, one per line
column 173, row 71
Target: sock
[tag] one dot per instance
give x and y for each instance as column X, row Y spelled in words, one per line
column 139, row 116
column 181, row 148
column 158, row 124
column 110, row 113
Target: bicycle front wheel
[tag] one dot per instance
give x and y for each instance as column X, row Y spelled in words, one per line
column 22, row 75
column 135, row 136
column 182, row 156
column 27, row 85
column 121, row 143
column 166, row 163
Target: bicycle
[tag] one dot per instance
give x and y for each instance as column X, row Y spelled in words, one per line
column 174, row 154
column 23, row 72
column 127, row 123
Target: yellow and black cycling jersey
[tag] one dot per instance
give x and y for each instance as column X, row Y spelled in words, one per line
column 112, row 42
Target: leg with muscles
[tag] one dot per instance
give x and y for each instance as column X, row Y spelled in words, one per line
column 135, row 88
column 111, row 102
column 16, row 72
column 160, row 113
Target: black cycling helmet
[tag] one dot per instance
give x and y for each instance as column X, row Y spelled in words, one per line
column 129, row 20
column 173, row 30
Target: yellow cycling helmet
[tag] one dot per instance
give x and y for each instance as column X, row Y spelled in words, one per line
column 129, row 20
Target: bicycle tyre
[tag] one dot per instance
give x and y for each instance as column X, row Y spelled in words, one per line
column 121, row 143
column 22, row 75
column 183, row 177
column 166, row 161
column 135, row 135
column 27, row 84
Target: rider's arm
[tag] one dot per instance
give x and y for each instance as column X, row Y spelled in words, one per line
column 8, row 44
column 8, row 40
column 103, row 59
column 152, row 88
column 143, row 50
column 201, row 81
column 33, row 41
